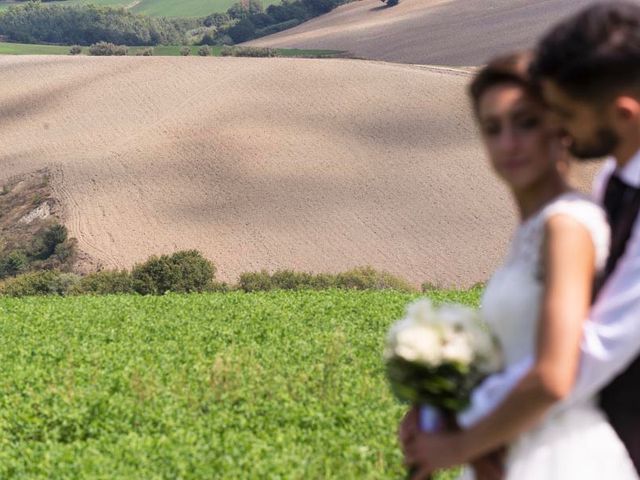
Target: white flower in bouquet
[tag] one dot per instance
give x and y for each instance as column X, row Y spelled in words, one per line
column 418, row 343
column 457, row 348
column 457, row 316
column 438, row 355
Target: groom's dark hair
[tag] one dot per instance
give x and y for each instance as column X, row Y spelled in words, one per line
column 595, row 54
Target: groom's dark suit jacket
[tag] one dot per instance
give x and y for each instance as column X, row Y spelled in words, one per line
column 621, row 398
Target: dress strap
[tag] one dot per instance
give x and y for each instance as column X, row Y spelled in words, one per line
column 590, row 215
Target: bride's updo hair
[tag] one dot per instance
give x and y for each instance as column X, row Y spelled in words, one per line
column 511, row 69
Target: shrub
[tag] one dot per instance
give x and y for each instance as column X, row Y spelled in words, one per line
column 221, row 287
column 290, row 280
column 75, row 50
column 106, row 282
column 48, row 282
column 228, row 51
column 62, row 258
column 244, row 9
column 428, row 287
column 204, row 51
column 255, row 281
column 185, row 51
column 65, row 251
column 367, row 278
column 107, row 49
column 322, row 281
column 362, row 278
column 182, row 272
column 261, row 20
column 224, row 39
column 217, row 20
column 146, row 52
column 242, row 31
column 13, row 263
column 47, row 240
column 209, row 38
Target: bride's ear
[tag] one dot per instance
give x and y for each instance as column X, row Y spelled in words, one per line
column 558, row 150
column 563, row 164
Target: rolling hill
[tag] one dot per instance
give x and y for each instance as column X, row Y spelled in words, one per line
column 437, row 32
column 316, row 165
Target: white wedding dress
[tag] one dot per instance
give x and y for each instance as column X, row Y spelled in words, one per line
column 576, row 442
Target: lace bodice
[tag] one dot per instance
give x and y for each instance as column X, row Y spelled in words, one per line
column 512, row 300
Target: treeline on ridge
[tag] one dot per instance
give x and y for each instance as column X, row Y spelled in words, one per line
column 251, row 21
column 37, row 22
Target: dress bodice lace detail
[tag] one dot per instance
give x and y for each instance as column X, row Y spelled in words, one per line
column 512, row 300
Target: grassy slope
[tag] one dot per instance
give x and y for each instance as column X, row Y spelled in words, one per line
column 28, row 49
column 168, row 51
column 275, row 385
column 167, row 8
column 188, row 8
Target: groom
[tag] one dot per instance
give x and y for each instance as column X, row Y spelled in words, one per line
column 589, row 71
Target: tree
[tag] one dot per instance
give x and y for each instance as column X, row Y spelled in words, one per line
column 242, row 31
column 35, row 22
column 244, row 9
column 12, row 264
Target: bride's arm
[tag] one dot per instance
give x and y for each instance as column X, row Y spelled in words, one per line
column 568, row 259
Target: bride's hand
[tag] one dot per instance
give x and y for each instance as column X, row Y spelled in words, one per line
column 490, row 466
column 409, row 426
column 428, row 452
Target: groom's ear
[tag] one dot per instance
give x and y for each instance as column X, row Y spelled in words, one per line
column 627, row 108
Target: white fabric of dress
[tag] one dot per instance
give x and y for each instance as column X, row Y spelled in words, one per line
column 577, row 442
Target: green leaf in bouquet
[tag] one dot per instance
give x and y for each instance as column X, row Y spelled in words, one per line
column 404, row 393
column 454, row 404
column 438, row 384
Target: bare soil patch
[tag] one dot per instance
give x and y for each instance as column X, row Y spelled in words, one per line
column 31, row 236
column 27, row 205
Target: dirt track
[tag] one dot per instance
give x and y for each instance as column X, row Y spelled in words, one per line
column 436, row 32
column 260, row 163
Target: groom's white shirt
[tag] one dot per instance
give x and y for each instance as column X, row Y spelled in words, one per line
column 611, row 334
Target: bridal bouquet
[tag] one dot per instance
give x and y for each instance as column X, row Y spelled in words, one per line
column 437, row 356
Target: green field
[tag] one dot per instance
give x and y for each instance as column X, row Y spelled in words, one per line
column 281, row 385
column 7, row 48
column 166, row 8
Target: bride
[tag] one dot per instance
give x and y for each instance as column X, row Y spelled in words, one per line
column 535, row 303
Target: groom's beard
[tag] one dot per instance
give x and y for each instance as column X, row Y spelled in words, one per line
column 606, row 142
